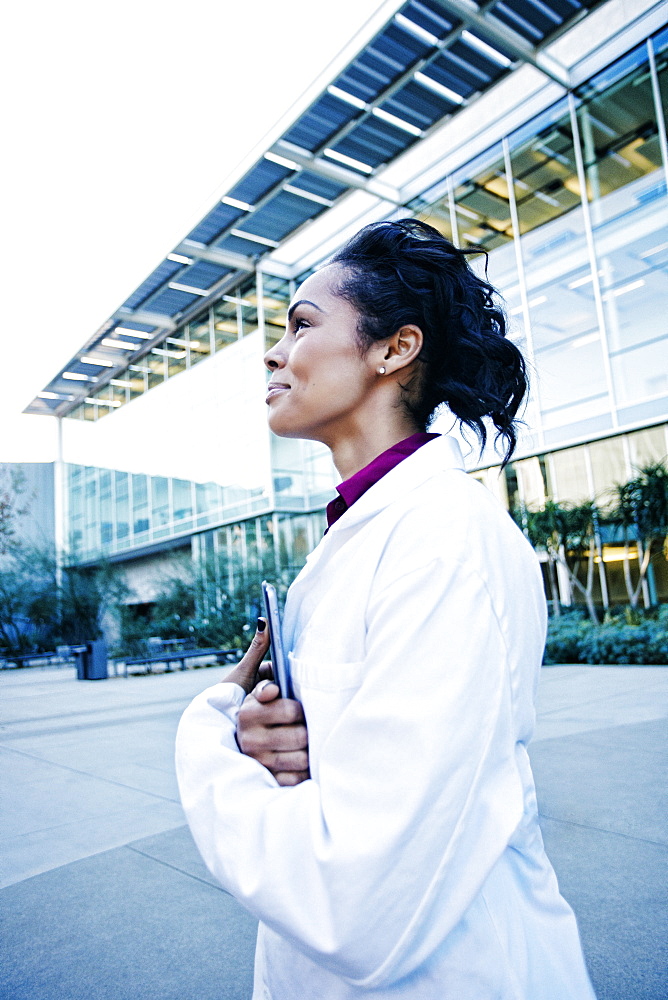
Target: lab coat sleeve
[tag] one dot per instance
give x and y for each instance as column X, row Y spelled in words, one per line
column 368, row 869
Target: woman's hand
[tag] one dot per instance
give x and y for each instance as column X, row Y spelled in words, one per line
column 272, row 730
column 250, row 668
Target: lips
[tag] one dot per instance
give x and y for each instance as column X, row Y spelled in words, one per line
column 275, row 389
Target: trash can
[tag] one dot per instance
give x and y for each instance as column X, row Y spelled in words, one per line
column 78, row 652
column 95, row 660
column 91, row 660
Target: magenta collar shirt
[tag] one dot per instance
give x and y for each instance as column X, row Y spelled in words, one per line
column 352, row 489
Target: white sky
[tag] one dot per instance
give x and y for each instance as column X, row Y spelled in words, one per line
column 120, row 126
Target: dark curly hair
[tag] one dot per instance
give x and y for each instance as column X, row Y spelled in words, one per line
column 405, row 272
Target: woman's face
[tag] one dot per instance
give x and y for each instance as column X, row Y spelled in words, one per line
column 320, row 380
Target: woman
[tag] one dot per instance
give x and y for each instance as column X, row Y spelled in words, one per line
column 410, row 862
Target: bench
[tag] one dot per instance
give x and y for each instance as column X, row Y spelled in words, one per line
column 180, row 658
column 11, row 662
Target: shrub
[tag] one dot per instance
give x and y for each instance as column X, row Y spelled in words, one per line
column 621, row 639
column 563, row 639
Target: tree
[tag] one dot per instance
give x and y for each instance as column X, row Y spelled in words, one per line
column 567, row 532
column 640, row 510
column 13, row 505
column 40, row 610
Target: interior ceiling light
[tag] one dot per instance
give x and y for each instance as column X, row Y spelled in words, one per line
column 415, row 30
column 308, row 195
column 589, row 338
column 348, row 161
column 468, row 212
column 139, row 368
column 487, row 50
column 538, row 301
column 78, row 377
column 169, row 354
column 254, row 238
column 398, row 122
column 134, row 333
column 653, row 250
column 235, row 203
column 51, row 395
column 121, row 383
column 579, row 282
column 98, row 362
column 178, row 258
column 343, row 95
column 614, row 293
column 548, row 199
column 103, row 402
column 281, row 161
column 191, row 289
column 438, row 88
column 124, row 345
column 559, row 157
column 176, row 342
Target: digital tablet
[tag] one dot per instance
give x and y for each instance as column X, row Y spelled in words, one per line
column 279, row 663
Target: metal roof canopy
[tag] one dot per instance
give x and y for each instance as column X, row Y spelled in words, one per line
column 431, row 58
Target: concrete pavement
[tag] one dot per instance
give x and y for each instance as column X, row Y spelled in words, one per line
column 103, row 894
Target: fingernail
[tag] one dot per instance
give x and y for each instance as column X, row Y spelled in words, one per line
column 261, row 686
column 261, row 624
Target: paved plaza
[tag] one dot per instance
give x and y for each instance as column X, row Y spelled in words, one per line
column 103, row 895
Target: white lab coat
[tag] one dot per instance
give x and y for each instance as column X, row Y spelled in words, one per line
column 411, row 864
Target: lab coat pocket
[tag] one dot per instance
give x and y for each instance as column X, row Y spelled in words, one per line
column 325, row 690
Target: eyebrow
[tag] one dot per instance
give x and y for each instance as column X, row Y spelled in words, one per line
column 302, row 302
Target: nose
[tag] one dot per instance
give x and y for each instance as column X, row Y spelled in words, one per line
column 276, row 356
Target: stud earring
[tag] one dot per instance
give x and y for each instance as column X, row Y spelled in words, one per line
column 381, row 370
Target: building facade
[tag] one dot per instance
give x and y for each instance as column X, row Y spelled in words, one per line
column 541, row 142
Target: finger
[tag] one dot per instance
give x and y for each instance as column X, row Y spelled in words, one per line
column 279, row 712
column 259, row 644
column 265, row 673
column 262, row 741
column 245, row 673
column 287, row 778
column 266, row 691
column 294, row 761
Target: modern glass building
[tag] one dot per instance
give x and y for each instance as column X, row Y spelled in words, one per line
column 535, row 131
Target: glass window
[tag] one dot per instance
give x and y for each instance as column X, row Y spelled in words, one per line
column 608, row 466
column 531, row 484
column 482, row 206
column 119, row 394
column 225, row 322
column 122, row 518
column 106, row 511
column 137, row 377
column 181, row 499
column 248, row 296
column 199, row 340
column 92, row 523
column 660, row 45
column 618, row 130
column 140, row 505
column 276, row 297
column 156, row 364
column 176, row 350
column 544, row 169
column 648, row 446
column 160, row 504
column 568, row 475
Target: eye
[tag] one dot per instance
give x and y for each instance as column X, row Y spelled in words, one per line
column 300, row 323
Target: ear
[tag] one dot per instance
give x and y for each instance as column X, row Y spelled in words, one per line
column 402, row 348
